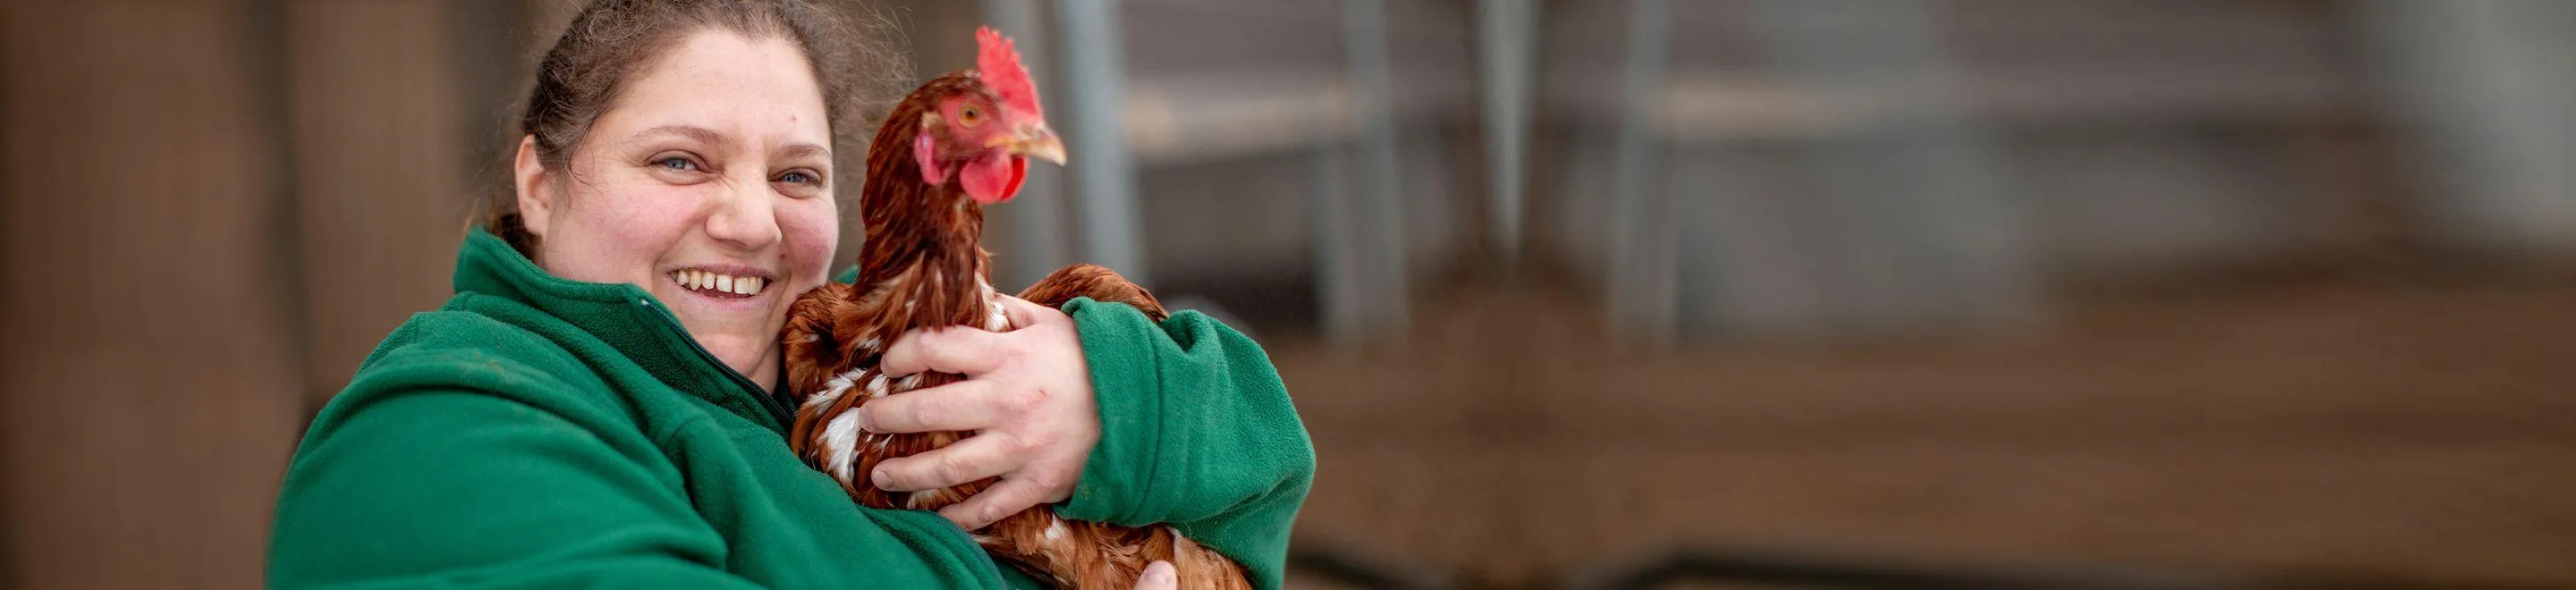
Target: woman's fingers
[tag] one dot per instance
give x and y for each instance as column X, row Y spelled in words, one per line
column 974, row 404
column 1027, row 395
column 984, row 455
column 1024, row 313
column 1003, row 499
column 964, row 351
column 1159, row 576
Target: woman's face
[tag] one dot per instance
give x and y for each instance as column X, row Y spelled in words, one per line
column 709, row 183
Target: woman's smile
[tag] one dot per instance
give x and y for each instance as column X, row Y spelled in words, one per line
column 723, row 282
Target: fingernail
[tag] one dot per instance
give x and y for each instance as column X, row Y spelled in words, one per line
column 877, row 477
column 1159, row 572
column 866, row 424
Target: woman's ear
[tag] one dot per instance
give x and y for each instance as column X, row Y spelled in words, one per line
column 533, row 187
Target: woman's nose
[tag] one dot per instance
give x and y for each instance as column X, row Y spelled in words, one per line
column 744, row 217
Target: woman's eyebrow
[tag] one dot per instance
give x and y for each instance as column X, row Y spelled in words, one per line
column 700, row 134
column 799, row 150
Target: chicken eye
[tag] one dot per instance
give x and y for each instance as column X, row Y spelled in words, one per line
column 969, row 116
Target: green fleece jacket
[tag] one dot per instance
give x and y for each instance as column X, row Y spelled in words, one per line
column 540, row 432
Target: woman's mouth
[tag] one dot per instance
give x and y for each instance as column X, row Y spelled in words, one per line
column 716, row 284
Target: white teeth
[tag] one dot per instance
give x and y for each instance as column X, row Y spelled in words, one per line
column 722, row 283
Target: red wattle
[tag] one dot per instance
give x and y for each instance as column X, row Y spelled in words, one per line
column 994, row 179
column 1019, row 173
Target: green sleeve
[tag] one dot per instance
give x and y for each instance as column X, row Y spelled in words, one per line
column 1197, row 431
column 469, row 488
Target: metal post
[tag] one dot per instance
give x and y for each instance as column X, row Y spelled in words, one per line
column 1380, row 235
column 1508, row 40
column 1338, row 292
column 1038, row 244
column 1103, row 172
column 1645, row 238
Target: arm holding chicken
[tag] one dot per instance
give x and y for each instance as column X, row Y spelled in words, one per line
column 1186, row 386
column 1164, row 436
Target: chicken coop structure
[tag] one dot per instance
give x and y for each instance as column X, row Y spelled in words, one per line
column 1756, row 169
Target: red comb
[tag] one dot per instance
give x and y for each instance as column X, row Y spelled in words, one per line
column 1000, row 65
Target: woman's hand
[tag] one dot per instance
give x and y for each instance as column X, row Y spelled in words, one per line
column 1027, row 396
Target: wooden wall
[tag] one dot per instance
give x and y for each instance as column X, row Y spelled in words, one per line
column 153, row 386
column 214, row 210
column 376, row 127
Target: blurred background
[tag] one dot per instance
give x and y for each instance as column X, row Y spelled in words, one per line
column 1688, row 293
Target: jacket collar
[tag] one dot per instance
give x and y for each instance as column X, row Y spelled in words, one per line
column 623, row 316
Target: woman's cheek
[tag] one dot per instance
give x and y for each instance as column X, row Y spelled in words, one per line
column 812, row 230
column 621, row 227
column 650, row 219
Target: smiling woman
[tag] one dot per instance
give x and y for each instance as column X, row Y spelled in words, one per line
column 600, row 404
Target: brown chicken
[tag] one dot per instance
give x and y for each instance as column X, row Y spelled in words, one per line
column 953, row 146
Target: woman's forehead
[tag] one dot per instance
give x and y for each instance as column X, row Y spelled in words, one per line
column 739, row 89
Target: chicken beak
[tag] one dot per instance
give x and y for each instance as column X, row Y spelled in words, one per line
column 1036, row 141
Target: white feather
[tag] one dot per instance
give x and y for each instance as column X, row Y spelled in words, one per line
column 877, row 386
column 840, row 441
column 832, row 390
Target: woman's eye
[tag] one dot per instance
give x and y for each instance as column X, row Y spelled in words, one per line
column 676, row 164
column 798, row 178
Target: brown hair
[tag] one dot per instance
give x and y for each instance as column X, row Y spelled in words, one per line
column 610, row 41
